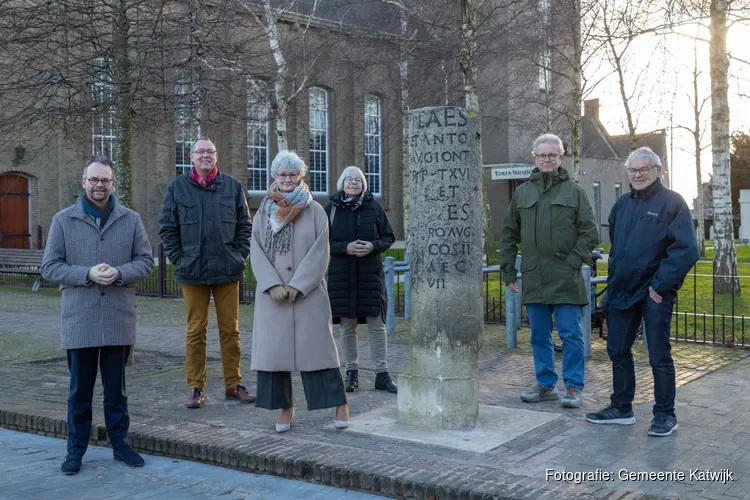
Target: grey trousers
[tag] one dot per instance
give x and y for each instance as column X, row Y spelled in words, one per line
column 378, row 344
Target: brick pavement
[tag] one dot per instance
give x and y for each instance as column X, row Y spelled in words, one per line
column 30, row 468
column 242, row 436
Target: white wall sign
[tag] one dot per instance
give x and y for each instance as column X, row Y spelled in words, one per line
column 507, row 171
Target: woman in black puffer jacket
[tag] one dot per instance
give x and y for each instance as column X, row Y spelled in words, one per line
column 359, row 233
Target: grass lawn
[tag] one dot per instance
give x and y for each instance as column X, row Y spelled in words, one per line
column 743, row 254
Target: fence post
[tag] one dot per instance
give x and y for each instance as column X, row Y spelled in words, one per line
column 162, row 272
column 407, row 286
column 390, row 317
column 511, row 328
column 519, row 305
column 586, row 313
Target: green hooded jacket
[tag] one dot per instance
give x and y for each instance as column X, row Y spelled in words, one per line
column 550, row 217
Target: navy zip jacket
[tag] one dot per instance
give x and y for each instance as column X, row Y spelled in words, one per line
column 653, row 244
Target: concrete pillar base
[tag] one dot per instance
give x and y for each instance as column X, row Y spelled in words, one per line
column 438, row 390
column 437, row 403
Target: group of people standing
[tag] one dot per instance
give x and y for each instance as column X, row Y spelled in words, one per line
column 316, row 267
column 97, row 250
column 653, row 248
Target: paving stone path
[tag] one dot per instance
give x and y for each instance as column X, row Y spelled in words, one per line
column 712, row 406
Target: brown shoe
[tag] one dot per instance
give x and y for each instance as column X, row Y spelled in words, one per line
column 239, row 393
column 196, row 399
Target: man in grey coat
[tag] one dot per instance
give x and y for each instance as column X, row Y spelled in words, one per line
column 97, row 250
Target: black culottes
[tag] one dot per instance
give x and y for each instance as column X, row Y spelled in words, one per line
column 323, row 389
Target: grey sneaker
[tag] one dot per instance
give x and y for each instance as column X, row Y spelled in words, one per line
column 539, row 393
column 662, row 425
column 611, row 415
column 572, row 398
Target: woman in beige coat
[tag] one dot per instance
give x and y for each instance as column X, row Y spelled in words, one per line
column 292, row 326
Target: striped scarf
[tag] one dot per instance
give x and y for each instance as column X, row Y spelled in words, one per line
column 282, row 209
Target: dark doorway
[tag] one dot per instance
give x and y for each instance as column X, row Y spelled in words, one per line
column 14, row 211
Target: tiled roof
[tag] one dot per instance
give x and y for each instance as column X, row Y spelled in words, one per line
column 656, row 140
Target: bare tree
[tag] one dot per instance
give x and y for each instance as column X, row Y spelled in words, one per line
column 696, row 131
column 621, row 26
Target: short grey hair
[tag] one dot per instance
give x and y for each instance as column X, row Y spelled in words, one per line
column 351, row 171
column 288, row 161
column 644, row 152
column 548, row 138
column 98, row 159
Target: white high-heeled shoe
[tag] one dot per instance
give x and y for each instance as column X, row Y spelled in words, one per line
column 285, row 427
column 340, row 424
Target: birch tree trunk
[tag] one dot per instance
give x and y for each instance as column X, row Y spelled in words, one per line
column 725, row 261
column 468, row 62
column 403, row 66
column 280, row 104
column 577, row 81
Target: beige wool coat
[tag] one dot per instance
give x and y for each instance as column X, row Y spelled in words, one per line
column 299, row 336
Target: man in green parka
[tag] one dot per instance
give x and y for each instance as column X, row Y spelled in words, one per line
column 550, row 217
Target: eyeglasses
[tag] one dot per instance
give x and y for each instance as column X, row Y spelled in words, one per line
column 205, row 151
column 290, row 176
column 353, row 180
column 642, row 171
column 95, row 180
column 551, row 156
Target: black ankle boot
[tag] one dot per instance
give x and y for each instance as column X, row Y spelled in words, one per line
column 383, row 382
column 352, row 380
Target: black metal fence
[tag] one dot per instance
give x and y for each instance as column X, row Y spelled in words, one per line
column 701, row 315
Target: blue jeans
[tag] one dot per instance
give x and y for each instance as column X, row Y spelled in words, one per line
column 622, row 328
column 568, row 321
column 83, row 365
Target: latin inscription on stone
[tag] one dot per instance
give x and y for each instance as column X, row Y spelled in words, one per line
column 446, row 196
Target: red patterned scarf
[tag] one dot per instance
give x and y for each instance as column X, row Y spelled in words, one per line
column 204, row 182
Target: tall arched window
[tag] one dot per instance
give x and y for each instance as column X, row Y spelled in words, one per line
column 187, row 121
column 103, row 137
column 258, row 131
column 373, row 143
column 318, row 164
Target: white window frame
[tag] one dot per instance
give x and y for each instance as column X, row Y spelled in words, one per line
column 545, row 55
column 258, row 136
column 103, row 138
column 187, row 128
column 318, row 174
column 374, row 144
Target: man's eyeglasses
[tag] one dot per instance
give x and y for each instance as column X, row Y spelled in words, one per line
column 204, row 151
column 353, row 180
column 95, row 180
column 290, row 176
column 643, row 171
column 551, row 156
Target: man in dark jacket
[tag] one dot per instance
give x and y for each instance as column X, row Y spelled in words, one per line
column 205, row 227
column 550, row 217
column 653, row 249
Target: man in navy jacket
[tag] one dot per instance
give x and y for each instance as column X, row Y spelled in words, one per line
column 653, row 249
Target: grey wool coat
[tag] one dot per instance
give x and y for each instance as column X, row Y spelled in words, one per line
column 94, row 315
column 299, row 336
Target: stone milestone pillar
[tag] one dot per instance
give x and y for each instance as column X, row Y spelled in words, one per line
column 440, row 387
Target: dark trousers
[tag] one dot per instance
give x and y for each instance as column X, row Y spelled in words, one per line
column 622, row 328
column 323, row 389
column 83, row 364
